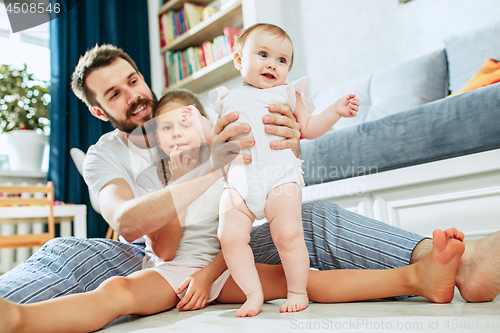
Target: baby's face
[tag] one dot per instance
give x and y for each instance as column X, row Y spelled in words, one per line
column 170, row 132
column 264, row 60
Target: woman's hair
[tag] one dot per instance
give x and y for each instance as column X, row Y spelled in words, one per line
column 180, row 96
column 183, row 96
column 270, row 28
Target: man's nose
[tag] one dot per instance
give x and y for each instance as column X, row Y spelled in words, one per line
column 132, row 95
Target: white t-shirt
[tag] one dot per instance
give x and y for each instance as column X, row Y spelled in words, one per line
column 111, row 158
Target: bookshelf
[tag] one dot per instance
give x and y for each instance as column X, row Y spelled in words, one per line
column 218, row 71
column 177, row 4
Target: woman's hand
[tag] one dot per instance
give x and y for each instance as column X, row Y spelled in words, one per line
column 180, row 163
column 283, row 124
column 198, row 290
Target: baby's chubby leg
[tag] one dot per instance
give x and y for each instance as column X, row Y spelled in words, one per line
column 283, row 211
column 235, row 225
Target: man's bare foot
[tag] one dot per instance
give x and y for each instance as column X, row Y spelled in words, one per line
column 295, row 302
column 252, row 306
column 437, row 269
column 478, row 276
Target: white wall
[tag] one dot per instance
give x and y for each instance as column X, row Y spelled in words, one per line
column 343, row 39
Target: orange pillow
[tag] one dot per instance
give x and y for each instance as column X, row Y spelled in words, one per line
column 488, row 74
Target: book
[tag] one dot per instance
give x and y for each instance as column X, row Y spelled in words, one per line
column 178, row 26
column 165, row 71
column 193, row 14
column 231, row 35
column 182, row 21
column 163, row 39
column 207, row 52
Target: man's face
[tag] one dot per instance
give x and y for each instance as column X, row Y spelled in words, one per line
column 124, row 98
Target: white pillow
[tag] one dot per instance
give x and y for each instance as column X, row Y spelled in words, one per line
column 391, row 90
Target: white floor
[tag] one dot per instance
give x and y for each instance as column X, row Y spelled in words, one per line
column 415, row 314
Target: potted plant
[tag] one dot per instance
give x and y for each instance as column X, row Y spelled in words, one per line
column 24, row 117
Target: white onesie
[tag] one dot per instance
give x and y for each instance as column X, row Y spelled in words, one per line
column 269, row 168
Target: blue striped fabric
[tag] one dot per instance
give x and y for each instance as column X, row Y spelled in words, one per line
column 69, row 265
column 338, row 239
column 335, row 238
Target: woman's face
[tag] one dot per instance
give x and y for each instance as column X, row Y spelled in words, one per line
column 171, row 134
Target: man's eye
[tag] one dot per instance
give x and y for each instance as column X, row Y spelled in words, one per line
column 263, row 54
column 113, row 95
column 133, row 81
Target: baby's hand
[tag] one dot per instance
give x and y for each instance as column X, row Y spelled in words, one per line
column 188, row 115
column 347, row 106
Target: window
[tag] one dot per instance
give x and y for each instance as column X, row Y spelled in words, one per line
column 30, row 47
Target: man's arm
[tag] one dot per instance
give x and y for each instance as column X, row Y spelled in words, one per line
column 165, row 241
column 134, row 217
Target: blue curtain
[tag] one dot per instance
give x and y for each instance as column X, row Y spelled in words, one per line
column 123, row 23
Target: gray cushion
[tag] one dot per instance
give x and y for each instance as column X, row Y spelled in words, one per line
column 391, row 90
column 468, row 52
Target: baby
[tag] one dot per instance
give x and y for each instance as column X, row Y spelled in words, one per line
column 269, row 186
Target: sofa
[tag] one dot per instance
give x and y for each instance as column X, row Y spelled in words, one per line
column 414, row 157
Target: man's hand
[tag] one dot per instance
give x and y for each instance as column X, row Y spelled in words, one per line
column 223, row 134
column 284, row 124
column 198, row 291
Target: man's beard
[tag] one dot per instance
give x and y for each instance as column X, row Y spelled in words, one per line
column 128, row 125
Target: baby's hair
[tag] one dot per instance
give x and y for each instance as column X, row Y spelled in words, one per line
column 267, row 27
column 180, row 96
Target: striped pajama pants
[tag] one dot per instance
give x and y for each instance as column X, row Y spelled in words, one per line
column 335, row 238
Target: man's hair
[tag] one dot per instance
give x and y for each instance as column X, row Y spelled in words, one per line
column 180, row 95
column 270, row 28
column 93, row 59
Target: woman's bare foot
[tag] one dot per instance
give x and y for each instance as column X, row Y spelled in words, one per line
column 478, row 276
column 437, row 269
column 295, row 302
column 252, row 305
column 8, row 316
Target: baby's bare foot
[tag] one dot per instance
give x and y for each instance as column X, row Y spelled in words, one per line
column 437, row 269
column 295, row 302
column 252, row 306
column 478, row 276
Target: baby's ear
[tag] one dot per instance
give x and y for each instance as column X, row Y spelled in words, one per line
column 237, row 60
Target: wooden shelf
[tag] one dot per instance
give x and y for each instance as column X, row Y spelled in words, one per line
column 208, row 29
column 177, row 4
column 209, row 76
